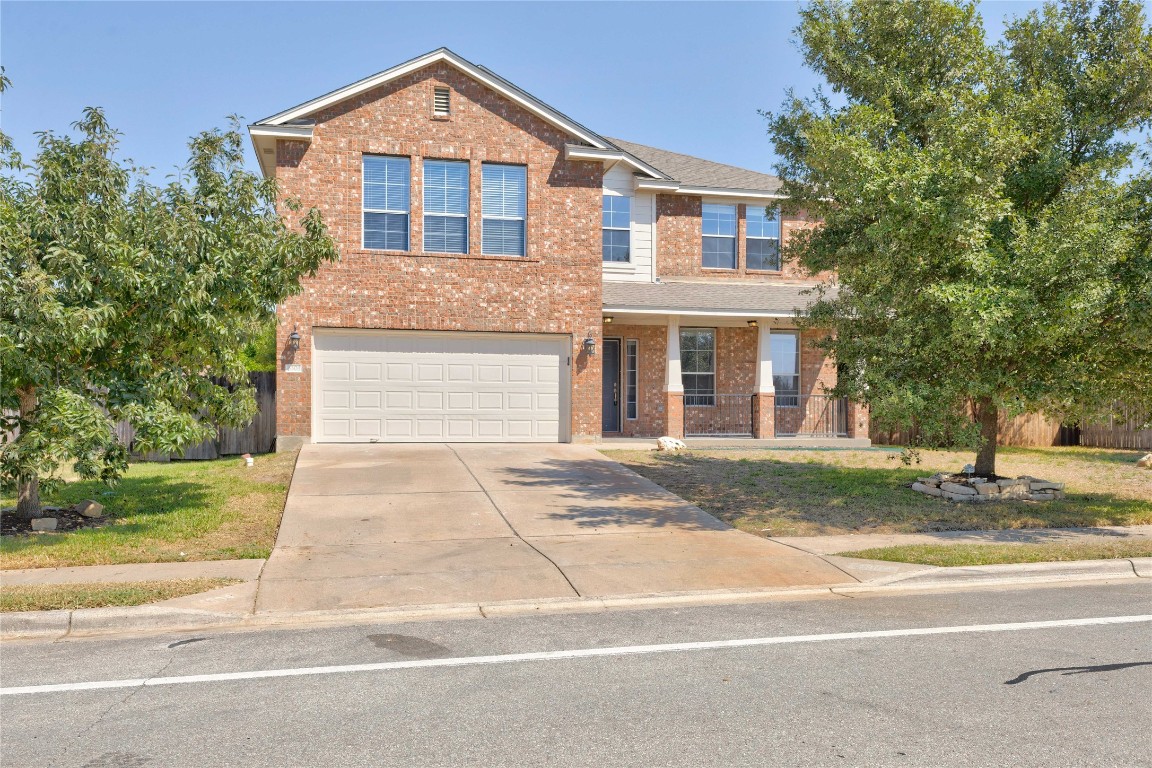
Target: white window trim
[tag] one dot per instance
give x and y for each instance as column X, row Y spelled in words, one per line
column 734, row 237
column 523, row 218
column 632, row 349
column 627, row 229
column 703, row 373
column 425, row 214
column 365, row 209
column 779, row 236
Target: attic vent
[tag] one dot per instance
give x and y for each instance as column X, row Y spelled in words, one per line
column 441, row 101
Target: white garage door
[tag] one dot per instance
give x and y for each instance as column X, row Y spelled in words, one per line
column 404, row 386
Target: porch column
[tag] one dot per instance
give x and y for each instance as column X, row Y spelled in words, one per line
column 764, row 425
column 673, row 383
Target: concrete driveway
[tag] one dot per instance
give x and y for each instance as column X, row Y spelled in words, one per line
column 368, row 526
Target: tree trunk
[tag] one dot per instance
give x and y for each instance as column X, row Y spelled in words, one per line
column 987, row 416
column 27, row 486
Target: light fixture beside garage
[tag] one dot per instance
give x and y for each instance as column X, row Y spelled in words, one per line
column 753, row 324
column 590, row 346
column 607, row 319
column 294, row 340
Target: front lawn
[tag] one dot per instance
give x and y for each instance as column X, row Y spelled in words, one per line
column 67, row 597
column 951, row 555
column 166, row 512
column 821, row 492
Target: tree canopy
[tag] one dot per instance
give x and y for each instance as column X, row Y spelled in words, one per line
column 121, row 299
column 984, row 209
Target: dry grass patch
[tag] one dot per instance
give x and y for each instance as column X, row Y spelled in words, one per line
column 67, row 597
column 951, row 555
column 167, row 512
column 813, row 492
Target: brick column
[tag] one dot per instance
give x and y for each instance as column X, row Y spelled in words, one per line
column 764, row 425
column 674, row 414
column 859, row 420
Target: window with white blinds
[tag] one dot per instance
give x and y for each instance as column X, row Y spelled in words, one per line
column 504, row 204
column 445, row 206
column 386, row 202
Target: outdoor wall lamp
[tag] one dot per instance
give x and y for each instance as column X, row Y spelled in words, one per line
column 753, row 324
column 590, row 346
column 607, row 319
column 294, row 340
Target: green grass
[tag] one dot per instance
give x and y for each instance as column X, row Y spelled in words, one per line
column 167, row 512
column 56, row 597
column 784, row 492
column 950, row 555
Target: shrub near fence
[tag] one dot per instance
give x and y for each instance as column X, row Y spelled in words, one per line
column 257, row 437
column 1038, row 430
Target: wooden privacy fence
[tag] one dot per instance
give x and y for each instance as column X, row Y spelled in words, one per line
column 1038, row 429
column 257, row 437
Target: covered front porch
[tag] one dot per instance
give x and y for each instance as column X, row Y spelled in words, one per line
column 721, row 375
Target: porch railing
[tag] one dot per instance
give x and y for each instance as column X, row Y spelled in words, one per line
column 718, row 415
column 811, row 416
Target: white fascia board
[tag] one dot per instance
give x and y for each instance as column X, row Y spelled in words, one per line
column 578, row 152
column 296, row 132
column 658, row 185
column 695, row 312
column 749, row 194
column 496, row 83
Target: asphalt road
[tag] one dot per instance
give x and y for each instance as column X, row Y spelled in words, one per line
column 1046, row 696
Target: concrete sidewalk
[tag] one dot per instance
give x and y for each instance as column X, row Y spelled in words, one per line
column 367, row 526
column 248, row 570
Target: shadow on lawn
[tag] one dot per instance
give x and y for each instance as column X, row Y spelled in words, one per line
column 777, row 497
column 604, row 496
column 133, row 508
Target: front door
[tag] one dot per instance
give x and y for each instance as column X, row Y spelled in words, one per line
column 611, row 419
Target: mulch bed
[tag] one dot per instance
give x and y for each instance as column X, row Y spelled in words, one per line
column 66, row 520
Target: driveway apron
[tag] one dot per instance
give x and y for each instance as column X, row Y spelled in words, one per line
column 369, row 526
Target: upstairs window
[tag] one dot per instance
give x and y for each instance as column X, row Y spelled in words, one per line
column 617, row 227
column 441, row 101
column 445, row 206
column 719, row 226
column 763, row 238
column 386, row 202
column 504, row 208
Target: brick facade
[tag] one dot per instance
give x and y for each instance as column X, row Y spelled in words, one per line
column 680, row 238
column 555, row 289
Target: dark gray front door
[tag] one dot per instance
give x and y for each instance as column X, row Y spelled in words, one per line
column 611, row 420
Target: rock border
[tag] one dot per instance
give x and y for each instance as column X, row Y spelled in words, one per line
column 966, row 489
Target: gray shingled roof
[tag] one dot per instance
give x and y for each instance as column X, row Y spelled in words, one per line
column 708, row 297
column 698, row 172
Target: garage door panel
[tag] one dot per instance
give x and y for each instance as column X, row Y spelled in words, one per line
column 413, row 386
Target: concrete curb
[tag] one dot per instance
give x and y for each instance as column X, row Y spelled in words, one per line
column 89, row 622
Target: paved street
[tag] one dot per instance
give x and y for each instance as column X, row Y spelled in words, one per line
column 1024, row 695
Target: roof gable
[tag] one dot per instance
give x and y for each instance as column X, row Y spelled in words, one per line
column 482, row 75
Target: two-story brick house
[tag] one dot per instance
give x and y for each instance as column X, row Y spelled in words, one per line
column 507, row 274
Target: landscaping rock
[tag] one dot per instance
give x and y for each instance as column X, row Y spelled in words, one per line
column 1010, row 483
column 961, row 497
column 44, row 524
column 1145, row 462
column 931, row 490
column 986, row 489
column 1044, row 485
column 956, row 488
column 89, row 508
column 670, row 444
column 1042, row 496
column 931, row 481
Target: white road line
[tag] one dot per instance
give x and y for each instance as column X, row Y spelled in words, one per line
column 583, row 653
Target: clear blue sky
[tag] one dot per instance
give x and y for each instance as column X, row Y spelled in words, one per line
column 683, row 76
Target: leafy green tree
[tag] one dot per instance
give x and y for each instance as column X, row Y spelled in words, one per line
column 125, row 300
column 986, row 219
